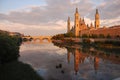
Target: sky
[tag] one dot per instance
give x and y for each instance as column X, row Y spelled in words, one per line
column 49, row 17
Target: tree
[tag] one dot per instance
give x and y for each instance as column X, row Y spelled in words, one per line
column 70, row 34
column 84, row 36
column 108, row 36
column 9, row 48
column 93, row 36
column 101, row 36
column 58, row 37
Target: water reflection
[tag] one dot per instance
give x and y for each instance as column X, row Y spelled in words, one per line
column 90, row 55
column 76, row 62
column 38, row 41
column 80, row 58
column 96, row 64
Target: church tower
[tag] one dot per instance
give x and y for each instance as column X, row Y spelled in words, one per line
column 97, row 20
column 68, row 25
column 76, row 23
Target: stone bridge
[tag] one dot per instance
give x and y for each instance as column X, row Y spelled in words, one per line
column 41, row 38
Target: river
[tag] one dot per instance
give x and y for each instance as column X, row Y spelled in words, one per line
column 71, row 62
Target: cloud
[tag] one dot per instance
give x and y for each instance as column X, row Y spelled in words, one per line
column 51, row 18
column 110, row 9
column 43, row 29
column 75, row 1
column 107, row 9
column 53, row 10
column 110, row 22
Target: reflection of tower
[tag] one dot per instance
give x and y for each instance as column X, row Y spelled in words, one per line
column 76, row 23
column 68, row 56
column 68, row 25
column 97, row 21
column 76, row 60
column 96, row 64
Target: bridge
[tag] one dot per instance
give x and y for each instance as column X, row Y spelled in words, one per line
column 35, row 38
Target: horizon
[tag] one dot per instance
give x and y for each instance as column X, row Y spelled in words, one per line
column 45, row 17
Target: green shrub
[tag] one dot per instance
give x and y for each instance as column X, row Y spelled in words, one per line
column 108, row 36
column 70, row 34
column 58, row 37
column 101, row 36
column 93, row 36
column 85, row 36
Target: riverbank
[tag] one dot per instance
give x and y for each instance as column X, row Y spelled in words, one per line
column 10, row 67
column 97, row 50
column 16, row 70
column 107, row 43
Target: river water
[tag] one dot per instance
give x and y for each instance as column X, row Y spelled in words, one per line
column 71, row 62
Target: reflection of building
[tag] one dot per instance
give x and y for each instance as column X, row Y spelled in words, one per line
column 96, row 64
column 79, row 58
column 80, row 25
column 76, row 60
column 68, row 56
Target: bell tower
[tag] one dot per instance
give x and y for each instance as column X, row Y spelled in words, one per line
column 97, row 19
column 76, row 23
column 68, row 25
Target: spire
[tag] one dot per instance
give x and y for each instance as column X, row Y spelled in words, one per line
column 96, row 11
column 83, row 19
column 80, row 19
column 68, row 18
column 91, row 25
column 76, row 10
column 87, row 25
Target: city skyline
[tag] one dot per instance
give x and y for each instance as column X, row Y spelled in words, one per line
column 49, row 17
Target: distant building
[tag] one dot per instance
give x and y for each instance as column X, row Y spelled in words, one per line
column 80, row 25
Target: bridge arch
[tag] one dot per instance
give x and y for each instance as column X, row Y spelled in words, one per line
column 35, row 39
column 45, row 38
column 40, row 38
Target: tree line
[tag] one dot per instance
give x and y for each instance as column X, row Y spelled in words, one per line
column 9, row 47
column 71, row 35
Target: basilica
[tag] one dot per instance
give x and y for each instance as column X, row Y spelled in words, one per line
column 80, row 25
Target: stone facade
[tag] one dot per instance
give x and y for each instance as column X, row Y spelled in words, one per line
column 81, row 28
column 80, row 25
